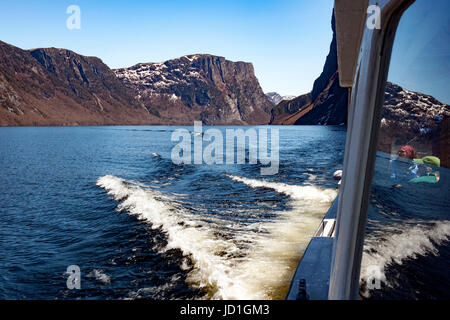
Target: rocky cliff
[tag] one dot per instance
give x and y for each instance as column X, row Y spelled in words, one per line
column 414, row 118
column 59, row 87
column 287, row 112
column 406, row 118
column 199, row 87
column 326, row 104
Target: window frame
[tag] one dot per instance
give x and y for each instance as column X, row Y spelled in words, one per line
column 367, row 98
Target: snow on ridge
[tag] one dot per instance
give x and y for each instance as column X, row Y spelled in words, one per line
column 173, row 97
column 155, row 76
column 191, row 57
column 276, row 98
column 412, row 110
column 290, row 97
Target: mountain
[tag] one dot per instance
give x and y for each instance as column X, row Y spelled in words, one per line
column 59, row 87
column 198, row 87
column 407, row 116
column 326, row 104
column 287, row 98
column 412, row 117
column 275, row 98
column 288, row 111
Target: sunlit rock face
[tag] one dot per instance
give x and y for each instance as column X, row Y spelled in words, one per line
column 59, row 87
column 199, row 87
column 414, row 118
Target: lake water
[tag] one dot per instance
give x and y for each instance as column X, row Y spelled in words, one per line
column 111, row 201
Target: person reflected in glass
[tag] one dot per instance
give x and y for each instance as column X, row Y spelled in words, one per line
column 428, row 169
column 403, row 168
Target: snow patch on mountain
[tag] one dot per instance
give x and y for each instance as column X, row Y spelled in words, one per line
column 275, row 98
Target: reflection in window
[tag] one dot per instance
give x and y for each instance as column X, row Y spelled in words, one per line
column 407, row 241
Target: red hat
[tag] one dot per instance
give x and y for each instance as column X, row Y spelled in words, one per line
column 410, row 152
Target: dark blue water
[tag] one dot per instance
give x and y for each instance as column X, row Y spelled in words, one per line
column 187, row 231
column 111, row 201
column 408, row 236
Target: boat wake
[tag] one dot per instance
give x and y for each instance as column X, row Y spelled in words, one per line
column 393, row 245
column 230, row 260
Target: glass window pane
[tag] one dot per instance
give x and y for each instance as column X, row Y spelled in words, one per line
column 407, row 247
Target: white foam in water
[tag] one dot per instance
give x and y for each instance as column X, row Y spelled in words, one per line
column 393, row 244
column 307, row 193
column 257, row 263
column 182, row 229
column 276, row 254
column 99, row 275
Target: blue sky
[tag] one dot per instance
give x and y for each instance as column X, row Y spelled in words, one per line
column 421, row 53
column 286, row 40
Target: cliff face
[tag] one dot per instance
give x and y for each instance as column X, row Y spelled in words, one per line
column 59, row 87
column 327, row 102
column 407, row 117
column 330, row 106
column 199, row 87
column 414, row 118
column 330, row 67
column 288, row 111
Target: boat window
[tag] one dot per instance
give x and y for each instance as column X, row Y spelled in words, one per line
column 407, row 247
